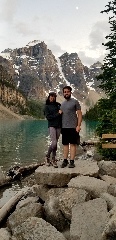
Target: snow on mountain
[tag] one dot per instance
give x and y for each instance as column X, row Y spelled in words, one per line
column 33, row 43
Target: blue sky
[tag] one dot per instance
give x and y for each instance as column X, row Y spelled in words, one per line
column 64, row 25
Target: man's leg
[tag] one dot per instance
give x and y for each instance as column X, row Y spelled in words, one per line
column 65, row 143
column 72, row 155
column 65, row 154
column 72, row 151
column 65, row 151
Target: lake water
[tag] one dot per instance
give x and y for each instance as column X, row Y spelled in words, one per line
column 25, row 142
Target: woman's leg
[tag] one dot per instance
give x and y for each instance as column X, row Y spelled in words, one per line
column 53, row 147
column 58, row 131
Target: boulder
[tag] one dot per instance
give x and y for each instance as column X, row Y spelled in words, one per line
column 108, row 179
column 20, row 215
column 53, row 215
column 4, row 234
column 61, row 176
column 109, row 232
column 70, row 198
column 24, row 202
column 107, row 168
column 89, row 220
column 112, row 189
column 37, row 228
column 90, row 184
column 111, row 200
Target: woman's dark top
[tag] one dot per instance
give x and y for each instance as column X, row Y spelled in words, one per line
column 52, row 114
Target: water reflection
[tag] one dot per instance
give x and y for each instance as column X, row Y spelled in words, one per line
column 25, row 142
column 88, row 130
column 22, row 142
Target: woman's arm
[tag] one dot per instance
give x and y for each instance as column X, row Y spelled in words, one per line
column 50, row 115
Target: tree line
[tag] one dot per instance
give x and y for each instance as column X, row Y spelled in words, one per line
column 104, row 110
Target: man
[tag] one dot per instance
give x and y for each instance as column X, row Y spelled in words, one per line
column 71, row 126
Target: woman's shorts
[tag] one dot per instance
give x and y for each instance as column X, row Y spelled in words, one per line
column 70, row 135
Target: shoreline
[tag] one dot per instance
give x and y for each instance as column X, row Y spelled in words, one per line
column 7, row 114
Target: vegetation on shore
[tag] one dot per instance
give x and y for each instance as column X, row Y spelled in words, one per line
column 35, row 109
column 105, row 110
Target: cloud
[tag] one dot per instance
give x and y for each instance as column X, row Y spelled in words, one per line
column 56, row 49
column 8, row 10
column 24, row 29
column 98, row 34
column 86, row 60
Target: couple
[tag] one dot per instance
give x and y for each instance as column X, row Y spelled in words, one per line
column 67, row 115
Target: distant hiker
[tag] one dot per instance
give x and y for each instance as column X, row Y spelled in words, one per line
column 54, row 124
column 71, row 126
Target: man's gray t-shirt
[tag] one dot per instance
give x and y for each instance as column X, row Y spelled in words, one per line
column 69, row 116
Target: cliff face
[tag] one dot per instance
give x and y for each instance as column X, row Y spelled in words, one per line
column 9, row 95
column 35, row 71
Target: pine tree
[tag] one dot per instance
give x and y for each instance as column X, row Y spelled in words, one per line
column 108, row 78
column 107, row 107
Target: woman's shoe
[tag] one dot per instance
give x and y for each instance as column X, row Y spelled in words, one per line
column 54, row 162
column 47, row 161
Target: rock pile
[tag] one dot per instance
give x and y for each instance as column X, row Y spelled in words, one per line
column 72, row 204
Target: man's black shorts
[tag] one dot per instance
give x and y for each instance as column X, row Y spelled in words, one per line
column 70, row 135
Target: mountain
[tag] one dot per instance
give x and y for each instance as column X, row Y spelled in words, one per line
column 6, row 113
column 10, row 96
column 35, row 71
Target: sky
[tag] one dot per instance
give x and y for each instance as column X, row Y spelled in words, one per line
column 64, row 25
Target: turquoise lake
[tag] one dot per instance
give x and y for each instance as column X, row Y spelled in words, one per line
column 25, row 142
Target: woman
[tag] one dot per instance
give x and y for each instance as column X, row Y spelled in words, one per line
column 54, row 124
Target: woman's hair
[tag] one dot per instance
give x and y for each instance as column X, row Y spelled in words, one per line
column 48, row 98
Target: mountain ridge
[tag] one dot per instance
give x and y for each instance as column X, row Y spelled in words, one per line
column 36, row 71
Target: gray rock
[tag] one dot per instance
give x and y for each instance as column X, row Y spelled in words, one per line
column 53, row 215
column 107, row 168
column 61, row 176
column 4, row 234
column 70, row 198
column 108, row 179
column 89, row 220
column 56, row 192
column 41, row 191
column 36, row 228
column 111, row 200
column 109, row 232
column 20, row 215
column 90, row 184
column 24, row 202
column 112, row 189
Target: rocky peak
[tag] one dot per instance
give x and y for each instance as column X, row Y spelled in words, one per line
column 37, row 72
column 73, row 68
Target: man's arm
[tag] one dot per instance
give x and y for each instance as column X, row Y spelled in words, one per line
column 79, row 114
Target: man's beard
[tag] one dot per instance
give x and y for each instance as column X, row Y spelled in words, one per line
column 67, row 97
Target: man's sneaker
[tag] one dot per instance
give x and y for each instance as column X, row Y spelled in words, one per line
column 71, row 164
column 47, row 161
column 64, row 164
